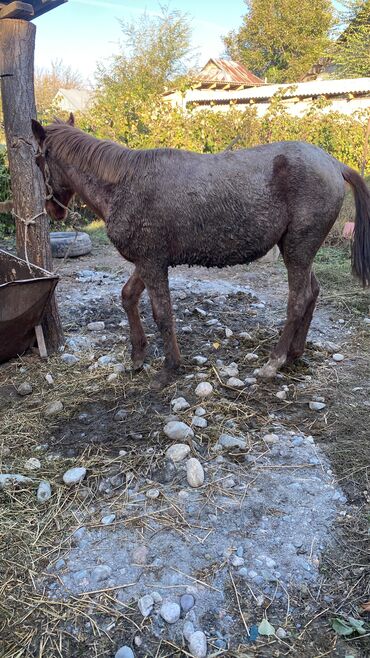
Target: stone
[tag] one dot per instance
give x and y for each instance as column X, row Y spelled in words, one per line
column 281, row 633
column 156, row 597
column 200, row 360
column 179, row 404
column 178, row 452
column 188, row 630
column 200, row 411
column 194, row 472
column 337, row 357
column 43, row 491
column 125, row 652
column 250, row 381
column 25, row 389
column 198, row 644
column 204, row 390
column 69, row 359
column 74, row 475
column 170, row 612
column 236, row 561
column 197, row 421
column 108, row 519
column 7, row 479
column 140, row 556
column 106, row 359
column 96, row 326
column 187, row 602
column 32, row 464
column 229, row 441
column 251, row 357
column 271, row 438
column 152, row 493
column 146, row 605
column 231, row 370
column 49, row 379
column 112, row 377
column 54, row 408
column 316, row 406
column 245, row 335
column 178, row 430
column 101, row 572
column 228, row 332
column 121, row 414
column 234, row 382
column 281, row 395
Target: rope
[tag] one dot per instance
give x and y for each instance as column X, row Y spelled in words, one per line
column 27, row 222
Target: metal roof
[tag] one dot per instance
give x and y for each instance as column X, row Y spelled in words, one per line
column 222, row 71
column 293, row 90
column 29, row 9
column 77, row 100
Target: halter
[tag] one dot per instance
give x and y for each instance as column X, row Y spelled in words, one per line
column 50, row 196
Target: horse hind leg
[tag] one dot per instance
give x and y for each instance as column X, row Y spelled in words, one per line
column 131, row 293
column 299, row 300
column 299, row 341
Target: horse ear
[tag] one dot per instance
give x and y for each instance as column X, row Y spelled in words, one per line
column 71, row 120
column 38, row 132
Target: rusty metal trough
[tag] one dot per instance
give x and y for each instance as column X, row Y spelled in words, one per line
column 24, row 293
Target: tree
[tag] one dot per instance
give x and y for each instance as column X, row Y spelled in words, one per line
column 281, row 39
column 47, row 83
column 351, row 51
column 155, row 52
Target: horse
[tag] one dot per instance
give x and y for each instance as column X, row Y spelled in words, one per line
column 167, row 207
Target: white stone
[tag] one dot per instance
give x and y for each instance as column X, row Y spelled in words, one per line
column 69, row 359
column 200, row 360
column 228, row 332
column 249, row 381
column 32, row 464
column 7, row 479
column 234, row 382
column 231, row 370
column 170, row 612
column 146, row 605
column 204, row 390
column 229, row 441
column 25, row 388
column 43, row 491
column 316, row 406
column 200, row 411
column 188, row 630
column 337, row 357
column 197, row 421
column 236, row 561
column 281, row 395
column 194, row 472
column 178, row 452
column 74, row 475
column 54, row 408
column 251, row 357
column 245, row 335
column 106, row 359
column 108, row 519
column 177, row 430
column 179, row 404
column 198, row 644
column 49, row 379
column 112, row 377
column 271, row 438
column 125, row 652
column 152, row 493
column 96, row 326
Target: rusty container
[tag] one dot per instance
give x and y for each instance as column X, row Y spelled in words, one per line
column 24, row 293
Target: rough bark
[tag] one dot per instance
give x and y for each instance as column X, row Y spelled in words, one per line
column 17, row 44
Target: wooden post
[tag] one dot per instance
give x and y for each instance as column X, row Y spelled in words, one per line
column 17, row 45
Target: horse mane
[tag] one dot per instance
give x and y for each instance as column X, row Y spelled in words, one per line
column 110, row 162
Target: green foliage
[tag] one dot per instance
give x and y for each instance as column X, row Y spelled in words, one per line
column 282, row 39
column 351, row 51
column 6, row 220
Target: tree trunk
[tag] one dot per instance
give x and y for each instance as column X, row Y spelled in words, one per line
column 17, row 45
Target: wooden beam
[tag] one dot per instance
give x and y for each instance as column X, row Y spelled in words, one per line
column 17, row 10
column 17, row 46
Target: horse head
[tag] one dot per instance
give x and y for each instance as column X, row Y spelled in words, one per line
column 58, row 189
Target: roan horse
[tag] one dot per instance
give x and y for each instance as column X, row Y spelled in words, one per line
column 166, row 207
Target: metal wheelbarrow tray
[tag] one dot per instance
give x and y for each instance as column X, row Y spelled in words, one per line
column 24, row 294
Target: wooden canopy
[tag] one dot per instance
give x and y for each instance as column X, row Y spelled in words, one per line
column 27, row 10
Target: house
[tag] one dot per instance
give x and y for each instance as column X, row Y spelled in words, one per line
column 212, row 91
column 73, row 100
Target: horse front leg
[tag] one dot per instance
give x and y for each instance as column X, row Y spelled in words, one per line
column 156, row 282
column 299, row 300
column 131, row 293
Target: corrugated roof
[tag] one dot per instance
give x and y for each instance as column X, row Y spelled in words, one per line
column 226, row 71
column 78, row 99
column 300, row 89
column 39, row 6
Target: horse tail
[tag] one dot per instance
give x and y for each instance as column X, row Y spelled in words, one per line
column 361, row 237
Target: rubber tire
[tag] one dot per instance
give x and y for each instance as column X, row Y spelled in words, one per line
column 66, row 241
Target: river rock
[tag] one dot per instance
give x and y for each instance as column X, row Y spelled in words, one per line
column 96, row 326
column 200, row 360
column 316, row 406
column 200, row 411
column 179, row 404
column 234, row 382
column 32, row 464
column 146, row 605
column 198, row 644
column 178, row 430
column 69, row 359
column 43, row 491
column 74, row 475
column 125, row 652
column 231, row 370
column 170, row 612
column 25, row 388
column 204, row 390
column 54, row 408
column 178, row 452
column 7, row 479
column 197, row 421
column 194, row 472
column 229, row 441
column 337, row 357
column 187, row 602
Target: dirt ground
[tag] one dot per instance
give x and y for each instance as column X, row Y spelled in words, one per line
column 35, row 618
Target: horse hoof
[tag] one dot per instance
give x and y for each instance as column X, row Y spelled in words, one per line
column 266, row 372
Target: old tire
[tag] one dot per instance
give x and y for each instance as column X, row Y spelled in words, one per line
column 66, row 242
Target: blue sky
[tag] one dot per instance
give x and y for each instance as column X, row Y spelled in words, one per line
column 82, row 32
